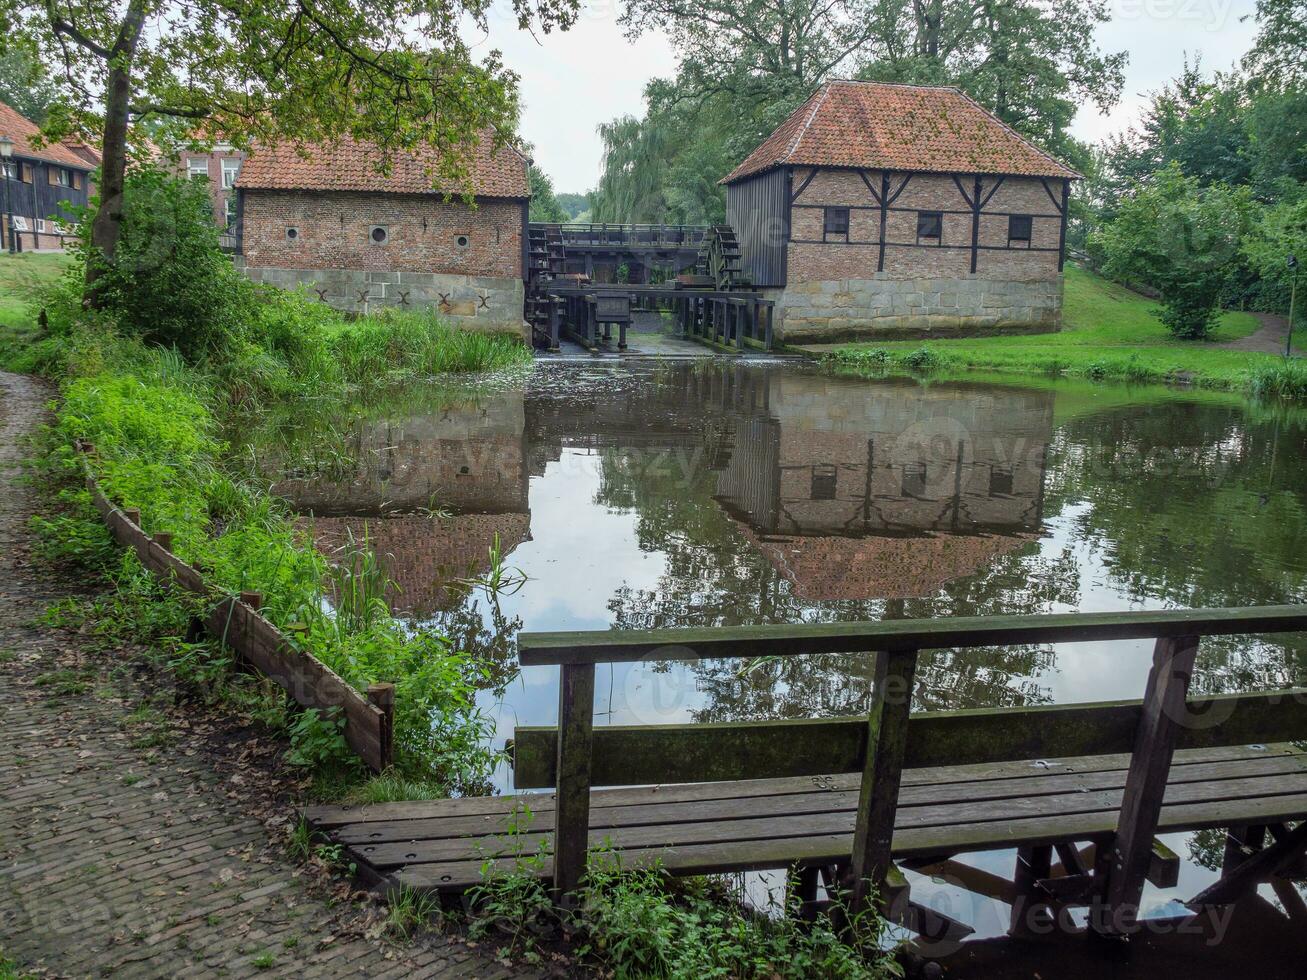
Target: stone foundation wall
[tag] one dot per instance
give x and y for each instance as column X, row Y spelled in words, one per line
column 487, row 303
column 895, row 308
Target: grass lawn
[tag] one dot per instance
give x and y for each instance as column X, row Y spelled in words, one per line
column 1107, row 332
column 21, row 278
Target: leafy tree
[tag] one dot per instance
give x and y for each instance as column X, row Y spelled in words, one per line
column 544, row 205
column 395, row 73
column 1278, row 232
column 1031, row 63
column 25, row 86
column 1280, row 48
column 574, row 204
column 744, row 65
column 1193, row 121
column 1181, row 239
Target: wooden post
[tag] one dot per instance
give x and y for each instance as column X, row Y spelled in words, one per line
column 163, row 539
column 253, row 599
column 1123, row 864
column 576, row 686
column 553, row 324
column 382, row 697
column 887, row 731
column 1034, row 864
column 133, row 514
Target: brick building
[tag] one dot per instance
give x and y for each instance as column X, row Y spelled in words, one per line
column 361, row 239
column 881, row 210
column 219, row 168
column 36, row 183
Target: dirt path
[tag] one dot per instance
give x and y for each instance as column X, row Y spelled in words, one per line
column 1267, row 339
column 128, row 847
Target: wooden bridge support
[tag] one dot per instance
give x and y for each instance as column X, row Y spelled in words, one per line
column 1123, row 865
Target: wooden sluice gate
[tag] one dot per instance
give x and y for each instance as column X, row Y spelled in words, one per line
column 701, row 287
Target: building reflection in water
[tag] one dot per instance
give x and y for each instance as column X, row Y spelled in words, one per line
column 769, row 495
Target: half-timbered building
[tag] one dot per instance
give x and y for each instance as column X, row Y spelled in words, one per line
column 883, row 210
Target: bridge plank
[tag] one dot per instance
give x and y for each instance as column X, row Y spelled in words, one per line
column 331, row 816
column 813, row 800
column 829, row 848
column 772, row 825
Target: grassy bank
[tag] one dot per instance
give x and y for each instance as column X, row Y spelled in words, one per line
column 23, row 277
column 155, row 414
column 1108, row 332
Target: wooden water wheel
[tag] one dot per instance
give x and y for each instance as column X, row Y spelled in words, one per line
column 719, row 257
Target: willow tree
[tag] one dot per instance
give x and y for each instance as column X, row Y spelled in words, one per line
column 394, row 72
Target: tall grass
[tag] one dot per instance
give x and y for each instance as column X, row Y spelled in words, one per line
column 1285, row 379
column 418, row 343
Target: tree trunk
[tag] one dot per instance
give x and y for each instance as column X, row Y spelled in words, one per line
column 106, row 225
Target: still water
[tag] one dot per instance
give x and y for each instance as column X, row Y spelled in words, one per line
column 695, row 494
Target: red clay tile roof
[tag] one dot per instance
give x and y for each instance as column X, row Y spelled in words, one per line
column 349, row 165
column 22, row 131
column 877, row 125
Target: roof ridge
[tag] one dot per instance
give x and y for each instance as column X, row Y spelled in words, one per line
column 819, row 96
column 872, row 81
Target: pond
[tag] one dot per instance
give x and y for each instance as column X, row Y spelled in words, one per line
column 673, row 494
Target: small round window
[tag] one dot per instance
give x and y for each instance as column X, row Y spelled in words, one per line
column 292, row 234
column 461, row 241
column 378, row 234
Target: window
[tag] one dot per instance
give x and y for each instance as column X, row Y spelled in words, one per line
column 292, row 234
column 61, row 176
column 230, row 208
column 1000, row 482
column 824, row 478
column 197, row 167
column 930, row 224
column 40, row 225
column 10, row 169
column 378, row 234
column 230, row 168
column 836, row 223
column 1018, row 228
column 914, row 479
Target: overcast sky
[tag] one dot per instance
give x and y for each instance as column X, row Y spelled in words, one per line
column 575, row 80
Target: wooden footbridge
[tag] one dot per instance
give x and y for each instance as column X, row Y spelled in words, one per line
column 585, row 280
column 1080, row 791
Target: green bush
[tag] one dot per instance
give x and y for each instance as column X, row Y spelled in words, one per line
column 169, row 283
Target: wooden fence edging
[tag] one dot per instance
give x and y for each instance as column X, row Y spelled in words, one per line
column 236, row 622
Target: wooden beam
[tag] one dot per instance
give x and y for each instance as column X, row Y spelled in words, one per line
column 975, row 224
column 628, row 755
column 960, row 632
column 572, row 812
column 1123, row 864
column 803, row 186
column 884, row 214
column 887, row 736
column 1252, row 872
column 1061, row 235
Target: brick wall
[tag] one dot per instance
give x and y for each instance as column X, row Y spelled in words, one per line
column 213, row 162
column 838, row 287
column 423, row 233
column 816, row 257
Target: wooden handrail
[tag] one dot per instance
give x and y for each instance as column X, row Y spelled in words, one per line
column 960, row 633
